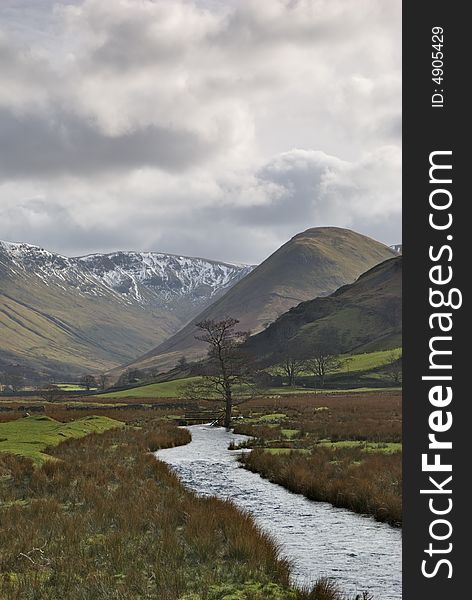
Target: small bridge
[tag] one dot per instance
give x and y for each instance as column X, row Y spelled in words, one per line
column 196, row 417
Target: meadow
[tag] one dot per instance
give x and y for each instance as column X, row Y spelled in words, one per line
column 30, row 436
column 99, row 517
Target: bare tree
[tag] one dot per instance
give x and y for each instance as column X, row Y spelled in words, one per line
column 88, row 381
column 323, row 354
column 290, row 359
column 226, row 367
column 291, row 366
column 321, row 364
column 103, row 381
column 394, row 368
column 50, row 392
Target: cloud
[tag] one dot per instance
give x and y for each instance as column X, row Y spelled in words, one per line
column 62, row 143
column 189, row 125
column 244, row 217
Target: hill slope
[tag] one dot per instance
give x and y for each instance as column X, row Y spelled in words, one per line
column 69, row 315
column 365, row 314
column 313, row 263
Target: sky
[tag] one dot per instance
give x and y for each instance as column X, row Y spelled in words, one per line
column 213, row 128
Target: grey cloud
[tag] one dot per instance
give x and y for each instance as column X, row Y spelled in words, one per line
column 262, row 24
column 50, row 224
column 33, row 145
column 158, row 115
column 292, row 192
column 296, row 190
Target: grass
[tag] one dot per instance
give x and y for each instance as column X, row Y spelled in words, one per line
column 171, row 389
column 167, row 389
column 107, row 520
column 368, row 483
column 285, row 450
column 361, row 372
column 345, row 449
column 290, row 433
column 296, row 390
column 381, row 447
column 74, row 387
column 30, row 436
column 367, row 361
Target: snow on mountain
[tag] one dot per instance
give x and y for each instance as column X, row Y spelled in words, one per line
column 148, row 278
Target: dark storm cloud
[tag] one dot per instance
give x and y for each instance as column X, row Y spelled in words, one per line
column 61, row 143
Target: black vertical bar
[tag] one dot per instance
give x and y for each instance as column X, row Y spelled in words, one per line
column 429, row 127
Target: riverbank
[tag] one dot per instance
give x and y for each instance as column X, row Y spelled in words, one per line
column 319, row 540
column 104, row 519
column 345, row 450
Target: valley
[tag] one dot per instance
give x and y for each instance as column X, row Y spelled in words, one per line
column 314, row 263
column 64, row 316
column 310, row 460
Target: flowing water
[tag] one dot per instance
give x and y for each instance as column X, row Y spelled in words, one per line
column 355, row 551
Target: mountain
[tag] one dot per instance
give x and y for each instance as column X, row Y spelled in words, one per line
column 365, row 315
column 313, row 263
column 67, row 315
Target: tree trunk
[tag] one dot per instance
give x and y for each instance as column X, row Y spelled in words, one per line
column 291, row 378
column 228, row 409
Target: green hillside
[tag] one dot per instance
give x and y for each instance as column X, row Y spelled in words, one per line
column 312, row 264
column 166, row 389
column 361, row 315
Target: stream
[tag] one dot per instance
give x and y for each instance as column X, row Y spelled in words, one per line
column 355, row 551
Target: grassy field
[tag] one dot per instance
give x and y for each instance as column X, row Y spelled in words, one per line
column 171, row 389
column 73, row 387
column 368, row 361
column 167, row 389
column 30, row 436
column 380, row 447
column 107, row 520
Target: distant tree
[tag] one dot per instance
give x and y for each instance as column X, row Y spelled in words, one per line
column 323, row 353
column 321, row 364
column 50, row 392
column 394, row 368
column 103, row 379
column 226, row 368
column 289, row 356
column 88, row 381
column 291, row 365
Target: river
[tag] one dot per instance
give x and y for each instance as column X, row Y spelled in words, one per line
column 355, row 551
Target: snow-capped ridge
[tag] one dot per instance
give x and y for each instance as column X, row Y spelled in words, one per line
column 146, row 277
